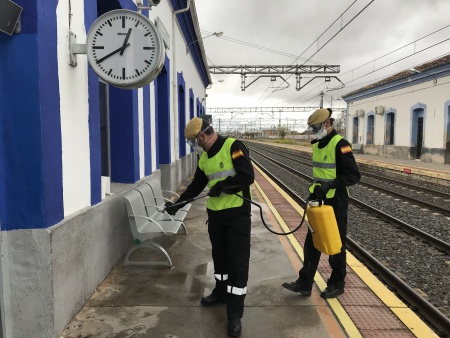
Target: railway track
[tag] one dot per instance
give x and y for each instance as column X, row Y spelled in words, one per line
column 386, row 266
column 432, row 199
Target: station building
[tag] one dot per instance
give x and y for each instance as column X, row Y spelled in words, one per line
column 405, row 116
column 71, row 144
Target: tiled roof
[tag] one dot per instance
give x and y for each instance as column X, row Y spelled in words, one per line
column 405, row 73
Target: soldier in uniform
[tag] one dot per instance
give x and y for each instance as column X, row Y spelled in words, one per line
column 225, row 167
column 334, row 169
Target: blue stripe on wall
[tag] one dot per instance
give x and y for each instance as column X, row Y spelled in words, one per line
column 124, row 136
column 199, row 112
column 191, row 104
column 162, row 93
column 181, row 113
column 31, row 183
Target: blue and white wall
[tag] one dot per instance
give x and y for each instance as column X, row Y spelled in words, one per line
column 408, row 99
column 61, row 234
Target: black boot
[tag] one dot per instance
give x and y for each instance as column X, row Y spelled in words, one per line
column 297, row 287
column 214, row 299
column 332, row 292
column 234, row 327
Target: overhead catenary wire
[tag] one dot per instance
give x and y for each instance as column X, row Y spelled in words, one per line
column 262, row 95
column 339, row 31
column 295, row 101
column 387, row 54
column 351, row 84
column 267, row 49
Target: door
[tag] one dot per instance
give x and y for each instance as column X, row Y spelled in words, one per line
column 419, row 137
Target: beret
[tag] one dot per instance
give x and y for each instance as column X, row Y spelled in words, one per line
column 193, row 128
column 319, row 116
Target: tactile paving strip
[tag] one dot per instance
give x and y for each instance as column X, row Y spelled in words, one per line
column 366, row 310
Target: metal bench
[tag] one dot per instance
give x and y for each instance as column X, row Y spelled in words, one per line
column 148, row 222
column 158, row 200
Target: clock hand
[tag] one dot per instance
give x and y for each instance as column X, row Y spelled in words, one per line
column 125, row 42
column 112, row 53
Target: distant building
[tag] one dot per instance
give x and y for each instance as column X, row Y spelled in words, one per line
column 404, row 116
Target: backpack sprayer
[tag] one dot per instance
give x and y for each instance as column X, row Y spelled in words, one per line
column 322, row 224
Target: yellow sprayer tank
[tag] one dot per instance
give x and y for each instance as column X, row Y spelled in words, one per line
column 326, row 236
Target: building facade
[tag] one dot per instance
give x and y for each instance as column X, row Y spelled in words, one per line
column 71, row 145
column 404, row 116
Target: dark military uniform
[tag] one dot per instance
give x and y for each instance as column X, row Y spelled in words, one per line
column 347, row 174
column 229, row 219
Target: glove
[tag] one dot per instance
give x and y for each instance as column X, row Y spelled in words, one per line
column 318, row 192
column 322, row 188
column 216, row 190
column 171, row 209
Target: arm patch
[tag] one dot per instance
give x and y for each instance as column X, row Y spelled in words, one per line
column 346, row 149
column 238, row 153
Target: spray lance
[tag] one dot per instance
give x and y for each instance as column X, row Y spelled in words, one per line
column 183, row 203
column 321, row 218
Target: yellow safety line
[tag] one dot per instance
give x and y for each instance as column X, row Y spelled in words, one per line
column 336, row 307
column 401, row 310
column 405, row 314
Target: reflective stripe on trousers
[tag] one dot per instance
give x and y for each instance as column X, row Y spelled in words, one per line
column 236, row 291
column 220, row 277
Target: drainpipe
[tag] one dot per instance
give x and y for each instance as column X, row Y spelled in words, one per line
column 174, row 71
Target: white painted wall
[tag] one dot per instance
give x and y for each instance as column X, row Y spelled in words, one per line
column 141, row 133
column 74, row 111
column 181, row 63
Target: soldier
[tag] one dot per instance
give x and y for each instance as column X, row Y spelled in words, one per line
column 225, row 167
column 334, row 169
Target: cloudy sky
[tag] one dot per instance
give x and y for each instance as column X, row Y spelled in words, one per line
column 368, row 43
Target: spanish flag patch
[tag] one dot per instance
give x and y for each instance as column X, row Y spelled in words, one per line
column 346, row 149
column 238, row 153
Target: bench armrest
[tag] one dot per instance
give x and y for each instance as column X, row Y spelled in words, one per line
column 157, row 207
column 164, row 199
column 151, row 220
column 161, row 210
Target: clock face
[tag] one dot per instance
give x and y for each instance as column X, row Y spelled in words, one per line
column 125, row 49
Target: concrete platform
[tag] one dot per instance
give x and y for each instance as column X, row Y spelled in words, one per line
column 160, row 302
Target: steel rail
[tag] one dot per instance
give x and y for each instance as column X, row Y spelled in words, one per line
column 437, row 208
column 434, row 241
column 428, row 311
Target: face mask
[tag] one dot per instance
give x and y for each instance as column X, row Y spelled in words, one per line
column 193, row 142
column 321, row 134
column 319, row 131
column 199, row 150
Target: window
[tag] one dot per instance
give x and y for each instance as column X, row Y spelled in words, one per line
column 390, row 127
column 370, row 129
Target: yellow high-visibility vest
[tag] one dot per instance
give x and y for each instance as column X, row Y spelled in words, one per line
column 324, row 164
column 218, row 168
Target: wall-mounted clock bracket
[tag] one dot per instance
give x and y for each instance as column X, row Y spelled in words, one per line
column 150, row 3
column 74, row 48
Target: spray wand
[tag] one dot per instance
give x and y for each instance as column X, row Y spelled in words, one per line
column 272, row 231
column 181, row 204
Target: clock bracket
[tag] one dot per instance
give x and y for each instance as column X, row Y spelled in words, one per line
column 74, row 48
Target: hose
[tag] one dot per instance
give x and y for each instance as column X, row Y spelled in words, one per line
column 267, row 227
column 260, row 213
